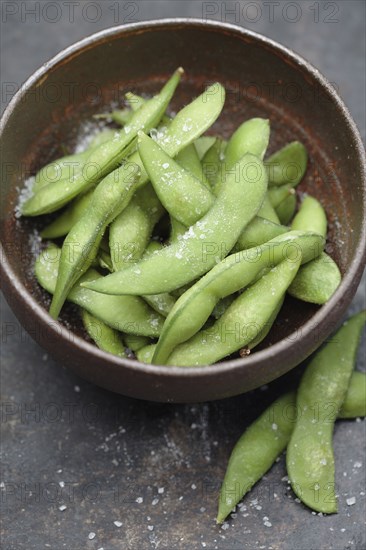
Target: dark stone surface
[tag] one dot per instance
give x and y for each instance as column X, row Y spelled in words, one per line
column 66, row 442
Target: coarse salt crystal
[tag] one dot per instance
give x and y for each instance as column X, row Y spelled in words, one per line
column 62, row 507
column 91, row 535
column 118, row 523
column 139, row 500
column 350, row 501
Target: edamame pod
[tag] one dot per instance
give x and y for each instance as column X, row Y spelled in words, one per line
column 265, row 439
column 267, row 211
column 205, row 243
column 310, row 215
column 277, row 195
column 191, row 121
column 354, row 404
column 128, row 314
column 104, row 158
column 202, row 145
column 188, row 159
column 211, row 163
column 286, row 209
column 255, row 452
column 67, row 167
column 82, row 242
column 259, row 231
column 288, row 165
column 63, row 224
column 242, row 321
column 251, row 137
column 317, row 281
column 234, row 273
column 180, row 192
column 135, row 343
column 130, row 232
column 106, row 338
column 323, row 387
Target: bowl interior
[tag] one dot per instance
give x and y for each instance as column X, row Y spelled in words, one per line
column 260, row 80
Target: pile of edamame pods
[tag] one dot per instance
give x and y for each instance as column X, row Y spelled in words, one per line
column 179, row 246
column 303, row 422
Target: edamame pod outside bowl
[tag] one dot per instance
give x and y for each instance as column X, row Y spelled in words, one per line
column 262, row 79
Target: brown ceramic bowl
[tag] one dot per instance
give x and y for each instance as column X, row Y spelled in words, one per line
column 262, row 78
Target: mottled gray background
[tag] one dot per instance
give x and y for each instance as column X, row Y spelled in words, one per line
column 105, row 457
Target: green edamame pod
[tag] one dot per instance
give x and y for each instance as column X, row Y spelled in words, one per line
column 288, row 165
column 211, row 163
column 255, row 452
column 106, row 338
column 162, row 303
column 267, row 211
column 128, row 314
column 286, row 209
column 119, row 116
column 144, row 355
column 188, row 159
column 310, row 215
column 130, row 232
column 317, row 281
column 67, row 167
column 354, row 404
column 242, row 321
column 181, row 193
column 63, row 224
column 202, row 145
column 203, row 245
column 323, row 387
column 251, row 137
column 135, row 343
column 82, row 242
column 177, row 230
column 105, row 158
column 277, row 195
column 259, row 231
column 235, row 272
column 265, row 439
column 191, row 121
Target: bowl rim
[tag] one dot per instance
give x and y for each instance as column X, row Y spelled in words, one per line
column 284, row 346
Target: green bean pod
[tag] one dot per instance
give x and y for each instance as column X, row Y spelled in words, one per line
column 323, row 387
column 288, row 165
column 82, row 242
column 128, row 314
column 106, row 338
column 234, row 273
column 286, row 209
column 64, row 223
column 354, row 404
column 105, row 158
column 130, row 232
column 204, row 244
column 317, row 281
column 242, row 321
column 180, row 192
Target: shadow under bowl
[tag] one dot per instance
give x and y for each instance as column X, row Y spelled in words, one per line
column 261, row 78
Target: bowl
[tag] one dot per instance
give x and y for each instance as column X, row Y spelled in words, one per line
column 262, row 78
